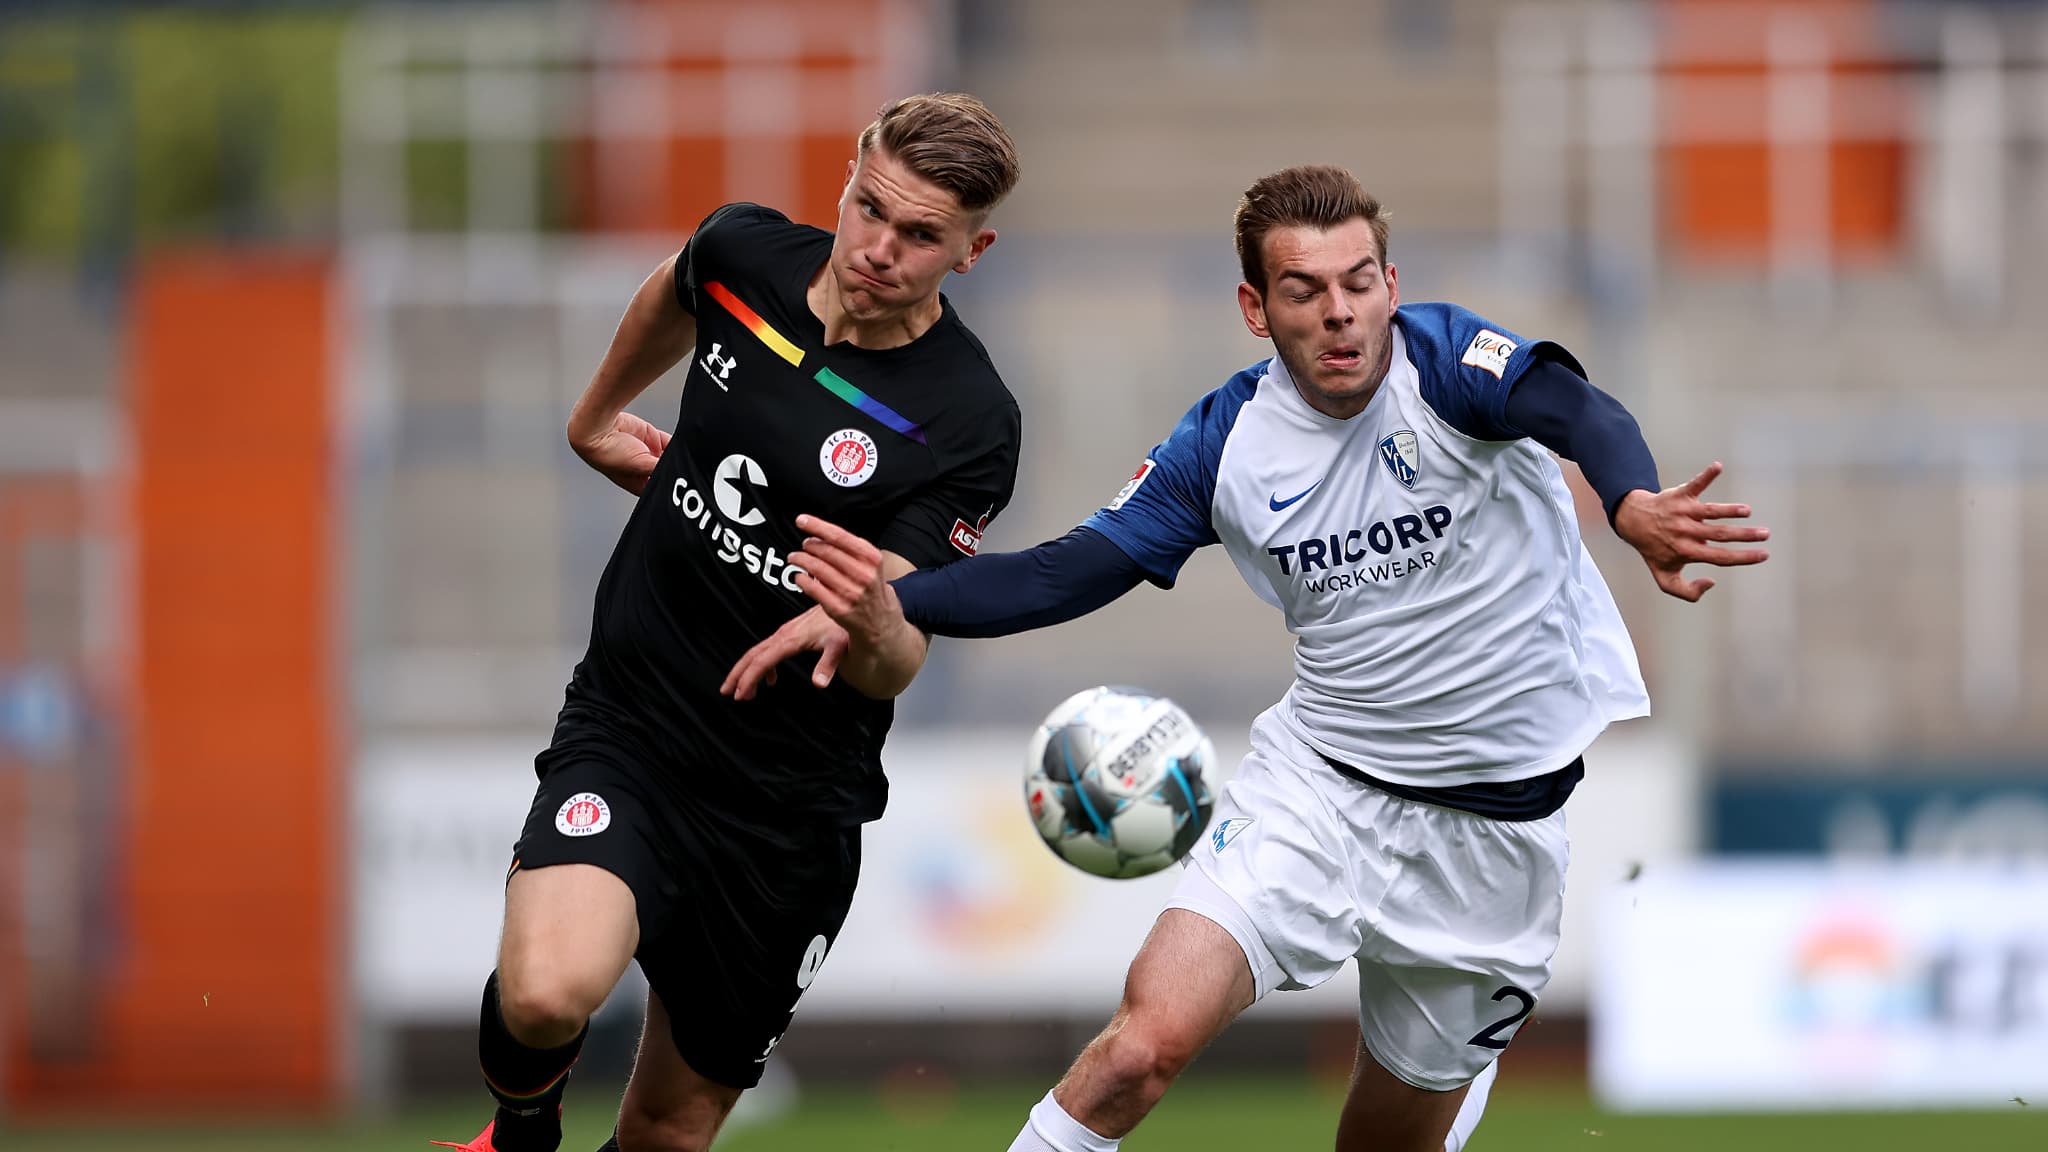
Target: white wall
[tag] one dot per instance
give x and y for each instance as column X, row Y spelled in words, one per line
column 1807, row 984
column 961, row 911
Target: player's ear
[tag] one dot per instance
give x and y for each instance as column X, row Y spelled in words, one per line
column 1393, row 289
column 846, row 189
column 1254, row 308
column 975, row 248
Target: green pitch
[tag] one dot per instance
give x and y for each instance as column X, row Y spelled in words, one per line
column 1228, row 1115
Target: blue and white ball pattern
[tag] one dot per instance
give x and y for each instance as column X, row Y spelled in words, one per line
column 1117, row 781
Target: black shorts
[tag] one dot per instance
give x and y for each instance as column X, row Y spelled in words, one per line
column 735, row 916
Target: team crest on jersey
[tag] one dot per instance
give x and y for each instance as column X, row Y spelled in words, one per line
column 584, row 814
column 1403, row 458
column 849, row 457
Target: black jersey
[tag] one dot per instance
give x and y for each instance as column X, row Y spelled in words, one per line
column 914, row 448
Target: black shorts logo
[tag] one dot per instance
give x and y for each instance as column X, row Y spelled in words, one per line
column 814, row 959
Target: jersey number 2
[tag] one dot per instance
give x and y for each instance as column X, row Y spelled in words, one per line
column 1489, row 1036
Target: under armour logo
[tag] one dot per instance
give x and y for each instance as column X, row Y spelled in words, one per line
column 719, row 367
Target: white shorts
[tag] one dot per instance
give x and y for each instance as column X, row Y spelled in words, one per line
column 1453, row 917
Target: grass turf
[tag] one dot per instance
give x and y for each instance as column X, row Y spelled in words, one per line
column 1226, row 1114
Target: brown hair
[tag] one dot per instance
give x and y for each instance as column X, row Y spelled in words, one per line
column 952, row 140
column 1318, row 196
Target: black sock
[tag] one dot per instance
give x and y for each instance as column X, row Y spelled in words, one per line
column 528, row 1082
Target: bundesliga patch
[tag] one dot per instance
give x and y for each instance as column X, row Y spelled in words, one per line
column 964, row 537
column 1131, row 486
column 584, row 814
column 848, row 457
column 1489, row 350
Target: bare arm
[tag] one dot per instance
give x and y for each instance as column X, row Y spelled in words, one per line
column 886, row 656
column 993, row 594
column 849, row 578
column 653, row 336
column 857, row 628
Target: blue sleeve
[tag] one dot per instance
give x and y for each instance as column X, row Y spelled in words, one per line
column 1162, row 514
column 1001, row 593
column 1553, row 405
column 1468, row 366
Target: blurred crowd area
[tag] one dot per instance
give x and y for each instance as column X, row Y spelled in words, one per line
column 1803, row 238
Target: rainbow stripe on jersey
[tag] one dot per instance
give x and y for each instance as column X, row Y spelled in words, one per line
column 832, row 381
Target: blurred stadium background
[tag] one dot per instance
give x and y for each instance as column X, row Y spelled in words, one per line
column 294, row 297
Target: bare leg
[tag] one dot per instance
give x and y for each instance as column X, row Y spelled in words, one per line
column 668, row 1106
column 1384, row 1113
column 570, row 931
column 1189, row 981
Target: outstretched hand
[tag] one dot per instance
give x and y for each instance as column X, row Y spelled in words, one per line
column 848, row 577
column 1673, row 528
column 843, row 573
column 811, row 631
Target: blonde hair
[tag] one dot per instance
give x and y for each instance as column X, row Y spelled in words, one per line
column 1319, row 196
column 952, row 140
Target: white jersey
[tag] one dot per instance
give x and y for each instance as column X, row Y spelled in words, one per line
column 1450, row 626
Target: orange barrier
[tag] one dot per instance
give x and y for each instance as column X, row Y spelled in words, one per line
column 826, row 58
column 1717, row 201
column 229, row 975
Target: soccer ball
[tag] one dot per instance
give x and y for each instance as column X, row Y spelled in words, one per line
column 1116, row 782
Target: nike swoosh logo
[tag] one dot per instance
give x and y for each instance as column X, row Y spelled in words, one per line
column 1277, row 504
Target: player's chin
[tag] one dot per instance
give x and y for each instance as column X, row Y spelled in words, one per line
column 1342, row 380
column 859, row 298
column 864, row 298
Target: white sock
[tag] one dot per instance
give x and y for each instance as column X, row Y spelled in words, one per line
column 1470, row 1111
column 1050, row 1129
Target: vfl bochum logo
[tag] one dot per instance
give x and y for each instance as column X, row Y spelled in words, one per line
column 1402, row 458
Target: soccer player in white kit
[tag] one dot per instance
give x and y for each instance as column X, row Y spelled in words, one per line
column 1384, row 482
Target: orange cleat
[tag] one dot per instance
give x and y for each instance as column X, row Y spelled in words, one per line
column 482, row 1143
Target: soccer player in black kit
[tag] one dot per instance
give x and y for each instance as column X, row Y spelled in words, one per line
column 719, row 841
